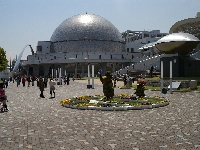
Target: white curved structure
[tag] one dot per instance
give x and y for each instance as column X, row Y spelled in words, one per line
column 19, row 58
column 181, row 43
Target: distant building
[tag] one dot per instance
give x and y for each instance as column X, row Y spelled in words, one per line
column 189, row 25
column 134, row 40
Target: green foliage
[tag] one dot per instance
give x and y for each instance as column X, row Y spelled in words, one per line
column 108, row 88
column 140, row 88
column 3, row 60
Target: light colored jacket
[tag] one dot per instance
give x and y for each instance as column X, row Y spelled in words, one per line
column 52, row 83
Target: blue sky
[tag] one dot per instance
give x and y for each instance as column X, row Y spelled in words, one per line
column 25, row 22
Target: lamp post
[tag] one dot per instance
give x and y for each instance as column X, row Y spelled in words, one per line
column 171, row 77
column 161, row 75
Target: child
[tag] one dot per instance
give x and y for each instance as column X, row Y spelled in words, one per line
column 3, row 97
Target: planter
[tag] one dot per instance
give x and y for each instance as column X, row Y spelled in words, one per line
column 164, row 104
column 146, row 106
column 66, row 105
column 81, row 101
column 120, row 108
column 93, row 108
column 134, row 107
column 107, row 108
column 82, row 108
column 125, row 100
column 155, row 105
column 73, row 106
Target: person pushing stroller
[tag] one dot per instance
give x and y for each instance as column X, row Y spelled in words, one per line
column 3, row 98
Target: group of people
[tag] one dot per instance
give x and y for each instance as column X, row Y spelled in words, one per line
column 43, row 84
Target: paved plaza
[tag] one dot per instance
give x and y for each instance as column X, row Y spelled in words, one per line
column 42, row 123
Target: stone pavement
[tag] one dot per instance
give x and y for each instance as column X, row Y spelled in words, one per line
column 42, row 123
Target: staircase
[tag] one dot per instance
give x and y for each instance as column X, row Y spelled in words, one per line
column 142, row 65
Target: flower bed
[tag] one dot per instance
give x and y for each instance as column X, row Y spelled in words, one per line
column 120, row 102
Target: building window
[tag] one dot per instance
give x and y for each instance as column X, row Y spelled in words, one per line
column 127, row 49
column 132, row 50
column 146, row 35
column 99, row 56
column 54, row 57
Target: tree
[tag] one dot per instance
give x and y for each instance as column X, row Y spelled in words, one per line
column 3, row 60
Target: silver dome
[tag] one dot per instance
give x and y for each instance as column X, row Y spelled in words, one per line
column 86, row 33
column 181, row 43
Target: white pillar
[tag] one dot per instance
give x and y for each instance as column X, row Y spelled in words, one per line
column 161, row 76
column 60, row 75
column 88, row 74
column 51, row 73
column 93, row 76
column 171, row 77
column 56, row 73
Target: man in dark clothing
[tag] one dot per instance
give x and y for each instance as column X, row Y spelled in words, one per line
column 41, row 86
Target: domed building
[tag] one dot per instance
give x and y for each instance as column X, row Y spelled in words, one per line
column 86, row 33
column 76, row 44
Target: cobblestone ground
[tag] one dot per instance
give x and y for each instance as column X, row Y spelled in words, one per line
column 42, row 123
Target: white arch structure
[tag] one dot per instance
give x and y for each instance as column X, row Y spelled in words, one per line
column 19, row 58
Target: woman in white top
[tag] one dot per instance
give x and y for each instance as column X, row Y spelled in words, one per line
column 52, row 84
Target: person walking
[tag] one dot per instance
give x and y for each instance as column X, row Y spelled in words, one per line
column 23, row 81
column 68, row 79
column 18, row 80
column 6, row 83
column 29, row 80
column 41, row 86
column 52, row 84
column 45, row 81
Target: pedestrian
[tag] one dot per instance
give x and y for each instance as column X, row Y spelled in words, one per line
column 3, row 97
column 29, row 80
column 68, row 79
column 52, row 84
column 37, row 79
column 73, row 77
column 65, row 80
column 18, row 80
column 23, row 81
column 114, row 79
column 151, row 71
column 32, row 79
column 6, row 83
column 125, row 80
column 45, row 81
column 41, row 86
